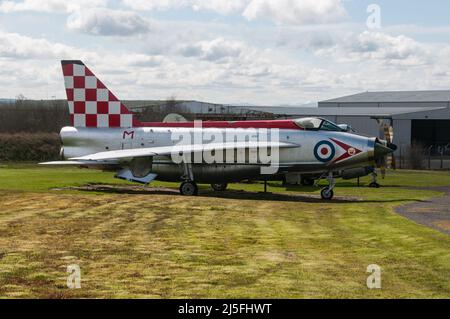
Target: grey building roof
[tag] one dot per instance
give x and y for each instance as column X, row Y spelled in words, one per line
column 342, row 111
column 393, row 97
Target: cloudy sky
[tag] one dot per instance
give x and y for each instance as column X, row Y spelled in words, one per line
column 266, row 52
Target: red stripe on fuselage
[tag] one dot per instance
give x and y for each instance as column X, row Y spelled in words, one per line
column 269, row 124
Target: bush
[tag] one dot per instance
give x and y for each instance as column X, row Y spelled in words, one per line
column 29, row 147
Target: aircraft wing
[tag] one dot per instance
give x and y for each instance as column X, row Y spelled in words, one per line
column 176, row 149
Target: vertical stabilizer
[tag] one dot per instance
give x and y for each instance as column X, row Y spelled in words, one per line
column 91, row 103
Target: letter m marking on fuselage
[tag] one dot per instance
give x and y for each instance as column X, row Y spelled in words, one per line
column 128, row 134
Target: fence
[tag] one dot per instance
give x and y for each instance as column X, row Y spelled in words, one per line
column 432, row 157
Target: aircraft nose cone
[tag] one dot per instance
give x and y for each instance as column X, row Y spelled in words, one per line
column 381, row 150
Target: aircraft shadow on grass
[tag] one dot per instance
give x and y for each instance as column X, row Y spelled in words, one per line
column 236, row 194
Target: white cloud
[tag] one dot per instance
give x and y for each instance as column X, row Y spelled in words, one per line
column 414, row 30
column 16, row 46
column 215, row 50
column 108, row 22
column 285, row 12
column 222, row 71
column 50, row 5
column 220, row 6
column 308, row 38
column 378, row 45
column 143, row 60
column 373, row 46
column 294, row 12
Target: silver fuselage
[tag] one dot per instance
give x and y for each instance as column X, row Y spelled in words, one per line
column 79, row 142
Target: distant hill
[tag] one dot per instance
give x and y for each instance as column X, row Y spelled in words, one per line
column 4, row 101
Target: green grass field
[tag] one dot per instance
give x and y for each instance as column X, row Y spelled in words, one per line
column 237, row 244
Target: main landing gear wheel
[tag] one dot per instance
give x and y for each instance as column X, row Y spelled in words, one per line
column 219, row 187
column 374, row 185
column 327, row 193
column 188, row 188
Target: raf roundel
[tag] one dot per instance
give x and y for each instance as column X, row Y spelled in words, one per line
column 324, row 151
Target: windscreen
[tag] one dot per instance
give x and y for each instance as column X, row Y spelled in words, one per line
column 317, row 124
column 329, row 126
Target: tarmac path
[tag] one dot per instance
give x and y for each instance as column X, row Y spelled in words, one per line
column 434, row 213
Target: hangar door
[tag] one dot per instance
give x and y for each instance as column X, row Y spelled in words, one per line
column 430, row 132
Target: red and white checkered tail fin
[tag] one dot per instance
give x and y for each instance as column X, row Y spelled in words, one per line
column 91, row 103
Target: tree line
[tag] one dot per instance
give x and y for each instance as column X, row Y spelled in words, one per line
column 33, row 116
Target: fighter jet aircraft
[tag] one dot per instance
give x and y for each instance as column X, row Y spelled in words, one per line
column 106, row 135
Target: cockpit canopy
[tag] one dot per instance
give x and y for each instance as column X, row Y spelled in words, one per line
column 317, row 124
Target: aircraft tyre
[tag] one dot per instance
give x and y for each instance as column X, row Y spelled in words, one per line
column 219, row 187
column 188, row 188
column 327, row 193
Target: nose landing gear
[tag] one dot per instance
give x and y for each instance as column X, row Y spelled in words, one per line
column 327, row 193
